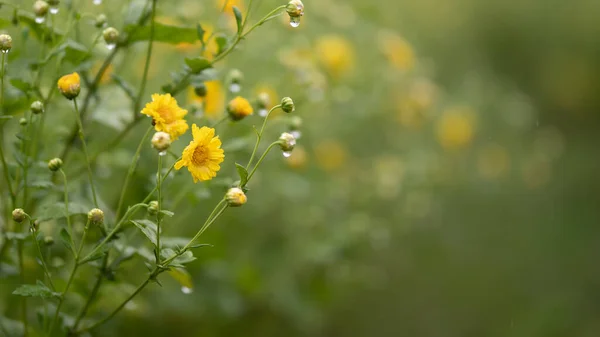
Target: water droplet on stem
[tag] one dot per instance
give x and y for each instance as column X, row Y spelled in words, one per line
column 287, row 154
column 295, row 21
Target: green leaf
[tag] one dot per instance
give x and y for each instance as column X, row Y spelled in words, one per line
column 4, row 119
column 35, row 290
column 183, row 277
column 197, row 64
column 41, row 184
column 75, row 53
column 66, row 239
column 238, row 18
column 148, row 228
column 57, row 210
column 167, row 213
column 200, row 33
column 165, row 33
column 243, row 174
column 42, row 32
column 127, row 88
column 24, row 87
column 222, row 42
column 200, row 245
column 179, row 261
column 135, row 12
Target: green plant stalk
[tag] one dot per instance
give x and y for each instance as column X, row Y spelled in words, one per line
column 158, row 214
column 113, row 232
column 93, row 294
column 85, row 152
column 260, row 133
column 39, row 250
column 2, row 157
column 71, row 277
column 67, row 214
column 130, row 172
column 147, row 64
column 157, row 271
column 261, row 159
column 27, row 146
column 22, row 279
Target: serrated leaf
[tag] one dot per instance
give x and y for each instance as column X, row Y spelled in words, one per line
column 66, row 239
column 197, row 64
column 179, row 261
column 35, row 290
column 148, row 228
column 173, row 242
column 165, row 33
column 238, row 18
column 243, row 174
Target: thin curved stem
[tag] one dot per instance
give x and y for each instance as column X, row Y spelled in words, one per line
column 261, row 159
column 2, row 157
column 66, row 194
column 158, row 214
column 130, row 172
column 148, row 57
column 39, row 249
column 85, row 152
column 260, row 133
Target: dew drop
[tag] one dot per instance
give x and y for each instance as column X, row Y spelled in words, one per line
column 40, row 19
column 263, row 112
column 287, row 154
column 235, row 88
column 110, row 46
column 162, row 153
column 297, row 134
column 53, row 10
column 295, row 21
column 97, row 2
column 187, row 290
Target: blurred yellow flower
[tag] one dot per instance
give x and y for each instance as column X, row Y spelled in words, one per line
column 70, row 85
column 167, row 115
column 493, row 161
column 298, row 159
column 239, row 108
column 455, row 129
column 331, row 155
column 335, row 54
column 107, row 73
column 227, row 6
column 398, row 51
column 203, row 155
column 213, row 103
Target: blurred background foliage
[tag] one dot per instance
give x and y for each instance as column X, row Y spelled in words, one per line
column 445, row 183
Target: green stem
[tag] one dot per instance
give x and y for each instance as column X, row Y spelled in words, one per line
column 261, row 159
column 148, row 57
column 260, row 133
column 2, row 157
column 92, row 294
column 158, row 214
column 130, row 172
column 27, row 147
column 39, row 249
column 67, row 214
column 85, row 152
column 22, row 279
column 71, row 277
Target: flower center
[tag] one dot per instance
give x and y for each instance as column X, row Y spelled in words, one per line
column 167, row 114
column 200, row 156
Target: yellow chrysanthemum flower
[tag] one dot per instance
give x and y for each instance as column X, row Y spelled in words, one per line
column 203, row 155
column 167, row 115
column 399, row 52
column 239, row 108
column 336, row 55
column 456, row 128
column 70, row 85
column 214, row 101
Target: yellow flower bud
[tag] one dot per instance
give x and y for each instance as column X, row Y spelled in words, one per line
column 238, row 108
column 236, row 197
column 70, row 85
column 55, row 164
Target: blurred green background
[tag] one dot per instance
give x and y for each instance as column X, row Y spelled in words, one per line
column 445, row 183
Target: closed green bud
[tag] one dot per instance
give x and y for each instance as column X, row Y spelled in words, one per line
column 295, row 8
column 161, row 141
column 48, row 241
column 23, row 121
column 100, row 21
column 287, row 142
column 236, row 197
column 55, row 164
column 37, row 107
column 201, row 90
column 111, row 36
column 40, row 9
column 153, row 207
column 287, row 105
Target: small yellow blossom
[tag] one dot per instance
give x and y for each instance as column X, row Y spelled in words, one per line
column 70, row 85
column 336, row 55
column 167, row 115
column 456, row 128
column 331, row 155
column 214, row 101
column 236, row 197
column 239, row 108
column 398, row 51
column 203, row 155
